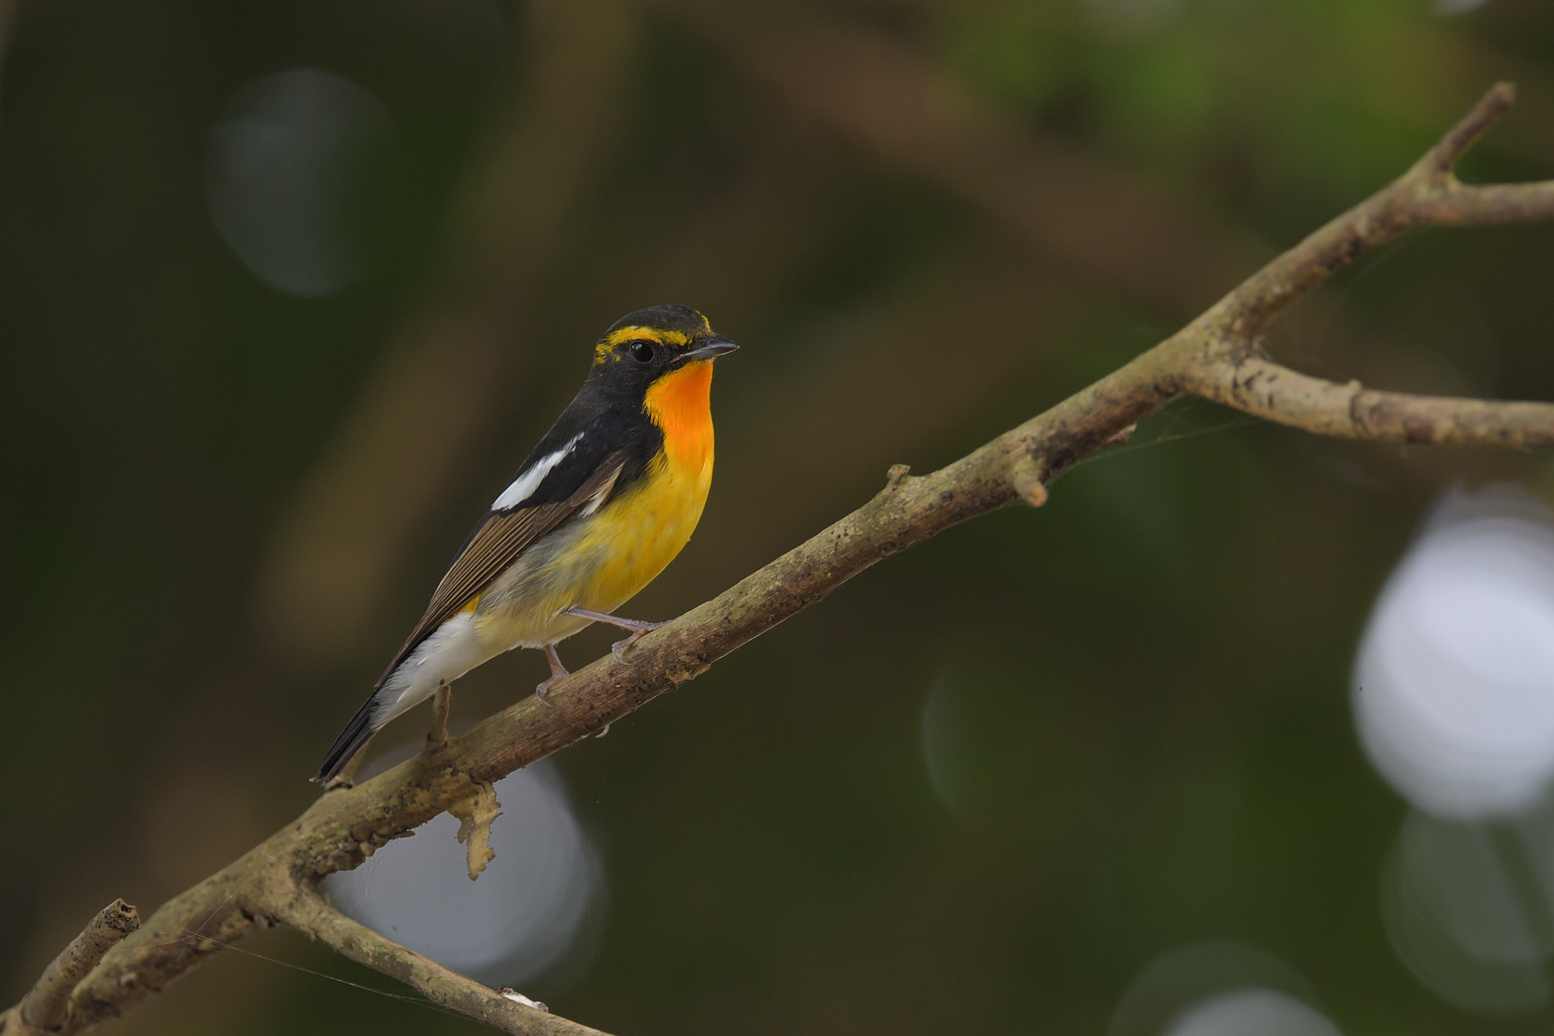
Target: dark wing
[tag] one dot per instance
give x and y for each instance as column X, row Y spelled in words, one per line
column 505, row 534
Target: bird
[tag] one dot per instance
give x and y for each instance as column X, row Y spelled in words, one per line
column 604, row 502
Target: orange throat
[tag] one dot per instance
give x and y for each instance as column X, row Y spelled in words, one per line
column 680, row 403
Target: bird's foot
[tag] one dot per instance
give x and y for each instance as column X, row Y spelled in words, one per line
column 557, row 672
column 638, row 628
column 620, row 647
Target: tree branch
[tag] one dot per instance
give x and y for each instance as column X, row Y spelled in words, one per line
column 1440, row 160
column 1216, row 357
column 47, row 1004
column 1276, row 393
column 308, row 912
column 1429, row 194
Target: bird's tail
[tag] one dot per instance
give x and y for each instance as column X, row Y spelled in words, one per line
column 351, row 739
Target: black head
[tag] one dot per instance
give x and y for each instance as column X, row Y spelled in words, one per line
column 646, row 344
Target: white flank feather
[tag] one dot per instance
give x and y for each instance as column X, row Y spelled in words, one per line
column 452, row 650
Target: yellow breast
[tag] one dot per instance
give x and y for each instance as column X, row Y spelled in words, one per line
column 637, row 535
column 643, row 529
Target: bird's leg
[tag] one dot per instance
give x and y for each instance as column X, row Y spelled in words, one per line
column 442, row 705
column 557, row 671
column 639, row 627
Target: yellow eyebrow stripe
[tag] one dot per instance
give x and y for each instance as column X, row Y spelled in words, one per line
column 606, row 347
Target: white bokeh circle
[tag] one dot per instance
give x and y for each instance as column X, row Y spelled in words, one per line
column 1467, row 908
column 1186, row 986
column 521, row 917
column 1454, row 679
column 281, row 173
column 1238, row 1012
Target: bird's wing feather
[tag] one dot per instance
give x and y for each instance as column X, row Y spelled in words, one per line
column 507, row 532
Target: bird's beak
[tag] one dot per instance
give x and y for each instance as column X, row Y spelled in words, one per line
column 709, row 350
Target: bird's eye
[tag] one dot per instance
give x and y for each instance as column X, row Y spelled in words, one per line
column 641, row 351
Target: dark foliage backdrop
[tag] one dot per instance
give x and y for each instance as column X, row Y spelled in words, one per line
column 1244, row 729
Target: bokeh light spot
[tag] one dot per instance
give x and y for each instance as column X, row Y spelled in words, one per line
column 1454, row 682
column 1267, row 1012
column 1171, row 991
column 521, row 918
column 285, row 164
column 995, row 750
column 1466, row 907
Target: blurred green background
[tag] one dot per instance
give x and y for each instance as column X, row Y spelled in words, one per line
column 290, row 289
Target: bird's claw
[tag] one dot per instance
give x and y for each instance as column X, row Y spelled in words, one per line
column 620, row 647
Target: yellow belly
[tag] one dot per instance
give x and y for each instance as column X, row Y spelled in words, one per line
column 638, row 534
column 600, row 562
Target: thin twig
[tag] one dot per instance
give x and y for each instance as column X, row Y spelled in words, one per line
column 308, row 912
column 1441, row 159
column 1277, row 393
column 1426, row 195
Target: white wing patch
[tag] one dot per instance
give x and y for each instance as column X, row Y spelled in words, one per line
column 526, row 483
